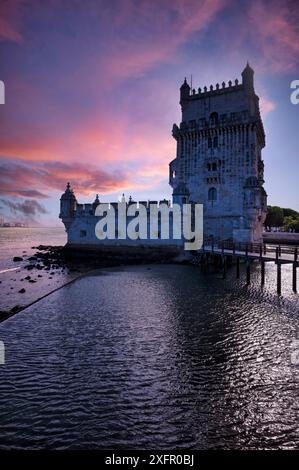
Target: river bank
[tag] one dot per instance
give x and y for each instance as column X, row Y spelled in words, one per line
column 50, row 268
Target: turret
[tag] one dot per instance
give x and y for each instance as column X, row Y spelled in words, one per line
column 247, row 78
column 180, row 194
column 67, row 206
column 96, row 203
column 184, row 91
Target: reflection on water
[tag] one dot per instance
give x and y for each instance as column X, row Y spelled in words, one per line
column 152, row 358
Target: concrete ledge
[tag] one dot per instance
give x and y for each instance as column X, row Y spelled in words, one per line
column 281, row 238
column 126, row 254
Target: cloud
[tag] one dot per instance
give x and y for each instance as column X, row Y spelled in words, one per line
column 149, row 34
column 266, row 106
column 18, row 175
column 28, row 208
column 275, row 28
column 10, row 21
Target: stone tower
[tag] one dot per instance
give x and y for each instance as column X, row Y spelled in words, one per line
column 218, row 161
column 68, row 204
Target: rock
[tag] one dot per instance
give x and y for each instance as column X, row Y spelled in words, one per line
column 32, row 280
column 15, row 309
column 27, row 278
column 30, row 266
column 17, row 258
column 39, row 275
column 32, row 258
column 21, row 291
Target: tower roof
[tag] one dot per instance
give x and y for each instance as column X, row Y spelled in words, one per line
column 248, row 69
column 68, row 193
column 185, row 84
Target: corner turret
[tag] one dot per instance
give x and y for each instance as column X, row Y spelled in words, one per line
column 184, row 91
column 68, row 204
column 247, row 78
column 96, row 203
column 180, row 194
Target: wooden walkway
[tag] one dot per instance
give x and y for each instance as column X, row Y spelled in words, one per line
column 279, row 254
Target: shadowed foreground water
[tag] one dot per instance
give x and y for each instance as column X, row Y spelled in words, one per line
column 151, row 358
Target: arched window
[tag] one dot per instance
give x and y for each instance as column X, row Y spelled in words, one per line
column 215, row 142
column 214, row 118
column 212, row 194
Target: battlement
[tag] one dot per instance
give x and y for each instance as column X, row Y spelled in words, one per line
column 218, row 90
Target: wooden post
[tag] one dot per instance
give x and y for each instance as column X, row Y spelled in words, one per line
column 265, row 249
column 234, row 248
column 295, row 255
column 248, row 272
column 261, row 251
column 294, row 277
column 279, row 278
column 246, row 250
column 224, row 267
column 238, row 268
column 262, row 273
column 205, row 263
column 276, row 254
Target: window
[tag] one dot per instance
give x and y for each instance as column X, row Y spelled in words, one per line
column 215, row 142
column 83, row 233
column 212, row 194
column 214, row 166
column 209, row 142
column 214, row 118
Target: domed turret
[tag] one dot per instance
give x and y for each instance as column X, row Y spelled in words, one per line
column 181, row 194
column 96, row 202
column 67, row 204
column 185, row 91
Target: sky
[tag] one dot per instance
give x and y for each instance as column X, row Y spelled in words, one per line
column 92, row 92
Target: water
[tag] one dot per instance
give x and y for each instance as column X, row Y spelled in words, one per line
column 13, row 241
column 20, row 242
column 153, row 357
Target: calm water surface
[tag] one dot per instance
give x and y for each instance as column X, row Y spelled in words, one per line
column 152, row 358
column 13, row 241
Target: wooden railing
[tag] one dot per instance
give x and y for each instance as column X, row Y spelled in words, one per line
column 260, row 249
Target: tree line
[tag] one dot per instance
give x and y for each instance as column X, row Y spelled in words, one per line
column 284, row 218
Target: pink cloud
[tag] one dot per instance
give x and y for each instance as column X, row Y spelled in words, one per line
column 266, row 106
column 10, row 21
column 157, row 33
column 275, row 27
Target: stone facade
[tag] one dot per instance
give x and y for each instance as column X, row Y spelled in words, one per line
column 219, row 162
column 80, row 223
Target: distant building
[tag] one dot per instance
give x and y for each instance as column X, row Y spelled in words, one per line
column 218, row 164
column 219, row 158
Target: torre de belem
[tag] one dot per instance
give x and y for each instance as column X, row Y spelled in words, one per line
column 218, row 164
column 218, row 161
